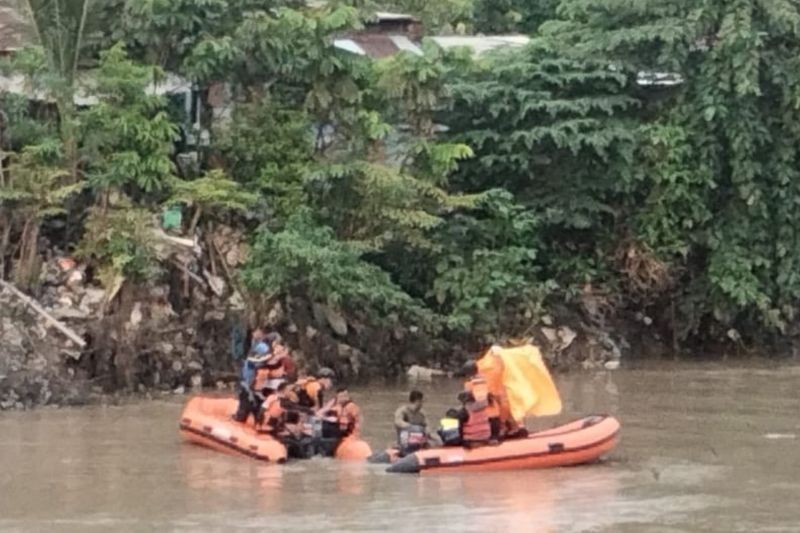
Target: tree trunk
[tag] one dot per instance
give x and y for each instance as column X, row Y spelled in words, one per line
column 5, row 223
column 195, row 220
column 25, row 271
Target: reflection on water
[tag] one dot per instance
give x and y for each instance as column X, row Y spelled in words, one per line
column 703, row 448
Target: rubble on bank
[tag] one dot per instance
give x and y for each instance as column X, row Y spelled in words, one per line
column 74, row 340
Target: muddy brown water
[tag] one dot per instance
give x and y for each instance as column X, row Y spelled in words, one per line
column 704, row 448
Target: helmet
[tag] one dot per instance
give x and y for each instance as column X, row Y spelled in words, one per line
column 261, row 348
column 273, row 337
column 470, row 368
column 326, row 372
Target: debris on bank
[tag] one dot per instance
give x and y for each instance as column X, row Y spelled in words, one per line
column 74, row 339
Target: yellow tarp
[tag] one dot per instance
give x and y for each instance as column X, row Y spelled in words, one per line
column 529, row 387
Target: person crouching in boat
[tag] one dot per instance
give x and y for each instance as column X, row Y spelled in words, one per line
column 341, row 418
column 474, row 417
column 411, row 425
column 450, row 428
column 478, row 387
column 298, row 433
column 250, row 395
column 280, row 418
column 310, row 390
column 272, row 414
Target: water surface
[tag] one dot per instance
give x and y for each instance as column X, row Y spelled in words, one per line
column 704, row 448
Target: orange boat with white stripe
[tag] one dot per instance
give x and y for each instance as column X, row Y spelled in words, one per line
column 579, row 442
column 207, row 421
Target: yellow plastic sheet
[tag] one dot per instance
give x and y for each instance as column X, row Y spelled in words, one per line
column 529, row 388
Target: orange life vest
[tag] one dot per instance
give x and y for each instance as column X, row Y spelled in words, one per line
column 348, row 416
column 479, row 388
column 273, row 411
column 272, row 374
column 308, row 392
column 477, row 427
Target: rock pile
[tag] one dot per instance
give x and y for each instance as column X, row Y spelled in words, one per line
column 74, row 338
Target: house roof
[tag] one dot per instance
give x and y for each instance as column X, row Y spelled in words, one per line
column 383, row 16
column 380, row 45
column 480, row 44
column 377, row 45
column 17, row 84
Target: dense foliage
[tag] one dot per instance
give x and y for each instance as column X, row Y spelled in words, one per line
column 640, row 154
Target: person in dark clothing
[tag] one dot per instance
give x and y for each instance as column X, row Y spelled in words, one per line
column 411, row 424
column 250, row 398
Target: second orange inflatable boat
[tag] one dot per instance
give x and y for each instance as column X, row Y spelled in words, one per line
column 579, row 442
column 207, row 421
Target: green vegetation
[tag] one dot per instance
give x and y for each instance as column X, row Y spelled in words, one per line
column 453, row 197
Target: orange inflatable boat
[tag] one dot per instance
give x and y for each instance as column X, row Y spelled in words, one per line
column 579, row 442
column 207, row 421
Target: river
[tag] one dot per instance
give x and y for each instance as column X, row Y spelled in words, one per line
column 704, row 448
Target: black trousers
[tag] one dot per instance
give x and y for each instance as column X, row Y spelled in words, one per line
column 496, row 426
column 248, row 406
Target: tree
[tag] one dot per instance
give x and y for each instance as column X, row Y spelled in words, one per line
column 718, row 166
column 443, row 16
column 306, row 260
column 119, row 240
column 268, row 147
column 61, row 27
column 34, row 189
column 488, row 277
column 558, row 134
column 129, row 134
column 211, row 192
column 512, row 16
column 378, row 203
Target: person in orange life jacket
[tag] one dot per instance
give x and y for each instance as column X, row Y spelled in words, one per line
column 293, row 429
column 411, row 425
column 310, row 390
column 474, row 421
column 478, row 387
column 278, row 367
column 250, row 396
column 490, row 366
column 342, row 414
column 273, row 411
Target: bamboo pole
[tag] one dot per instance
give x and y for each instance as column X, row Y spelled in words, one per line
column 33, row 304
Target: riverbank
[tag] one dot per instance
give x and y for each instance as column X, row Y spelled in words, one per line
column 75, row 343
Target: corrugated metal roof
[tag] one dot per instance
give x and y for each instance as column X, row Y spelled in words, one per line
column 380, row 45
column 404, row 43
column 18, row 84
column 384, row 16
column 659, row 79
column 481, row 43
column 376, row 45
column 349, row 45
